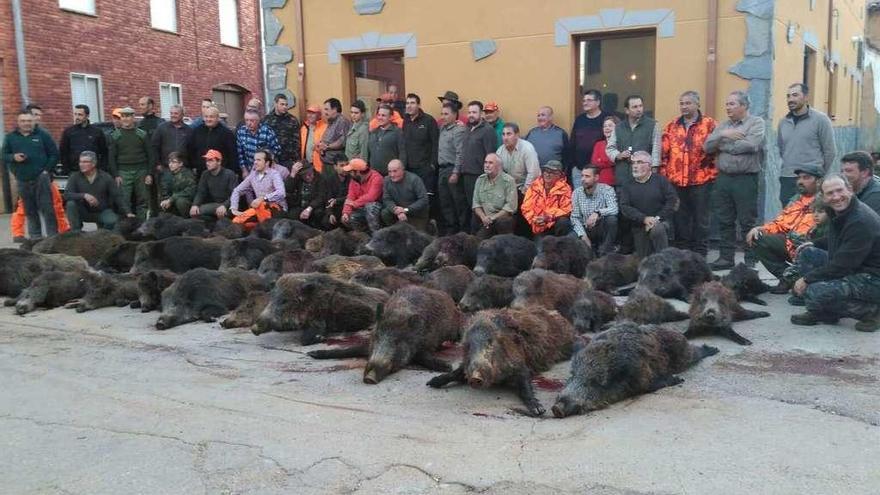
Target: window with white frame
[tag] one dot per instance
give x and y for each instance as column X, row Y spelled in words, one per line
column 228, row 22
column 85, row 89
column 82, row 6
column 163, row 15
column 169, row 94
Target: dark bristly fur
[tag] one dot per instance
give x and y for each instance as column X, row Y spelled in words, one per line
column 714, row 308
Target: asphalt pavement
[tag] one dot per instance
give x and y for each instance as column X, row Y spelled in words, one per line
column 101, row 402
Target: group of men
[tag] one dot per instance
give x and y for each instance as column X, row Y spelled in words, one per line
column 626, row 184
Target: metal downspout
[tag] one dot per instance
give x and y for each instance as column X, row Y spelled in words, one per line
column 19, row 52
column 300, row 58
column 266, row 99
column 712, row 59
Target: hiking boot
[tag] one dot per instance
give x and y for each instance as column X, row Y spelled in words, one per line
column 797, row 301
column 806, row 319
column 869, row 324
column 781, row 288
column 18, row 239
column 721, row 264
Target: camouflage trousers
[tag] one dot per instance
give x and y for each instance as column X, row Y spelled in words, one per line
column 855, row 296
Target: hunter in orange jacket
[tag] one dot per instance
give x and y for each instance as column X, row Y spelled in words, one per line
column 313, row 115
column 682, row 159
column 548, row 199
column 795, row 220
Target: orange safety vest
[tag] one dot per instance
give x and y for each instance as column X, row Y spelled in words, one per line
column 396, row 119
column 320, row 127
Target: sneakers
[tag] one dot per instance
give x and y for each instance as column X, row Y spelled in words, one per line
column 781, row 288
column 869, row 324
column 806, row 319
column 721, row 264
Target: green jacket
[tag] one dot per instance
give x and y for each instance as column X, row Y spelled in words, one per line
column 38, row 146
column 129, row 148
column 180, row 185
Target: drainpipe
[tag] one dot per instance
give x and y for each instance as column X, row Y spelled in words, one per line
column 830, row 66
column 263, row 58
column 4, row 173
column 712, row 59
column 300, row 58
column 19, row 52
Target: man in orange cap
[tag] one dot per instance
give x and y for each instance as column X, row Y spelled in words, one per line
column 310, row 134
column 492, row 114
column 396, row 119
column 364, row 189
column 215, row 188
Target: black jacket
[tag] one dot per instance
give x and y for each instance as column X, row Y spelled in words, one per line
column 204, row 138
column 167, row 138
column 317, row 198
column 76, row 139
column 479, row 141
column 853, row 243
column 421, row 136
column 870, row 194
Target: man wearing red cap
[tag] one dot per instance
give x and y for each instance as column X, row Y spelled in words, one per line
column 365, row 188
column 215, row 188
column 492, row 114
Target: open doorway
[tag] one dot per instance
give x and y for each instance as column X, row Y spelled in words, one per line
column 372, row 74
column 618, row 64
column 229, row 99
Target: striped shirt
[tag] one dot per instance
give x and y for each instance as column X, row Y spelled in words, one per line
column 583, row 205
column 248, row 143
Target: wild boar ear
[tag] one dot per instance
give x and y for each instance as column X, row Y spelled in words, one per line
column 380, row 310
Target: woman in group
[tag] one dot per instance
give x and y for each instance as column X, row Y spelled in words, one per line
column 599, row 158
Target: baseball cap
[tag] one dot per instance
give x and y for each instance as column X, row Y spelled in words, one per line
column 552, row 165
column 386, row 98
column 814, row 170
column 490, row 107
column 127, row 111
column 117, row 112
column 356, row 164
column 313, row 109
column 213, row 154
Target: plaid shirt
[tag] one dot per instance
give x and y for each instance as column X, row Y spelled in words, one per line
column 603, row 200
column 248, row 144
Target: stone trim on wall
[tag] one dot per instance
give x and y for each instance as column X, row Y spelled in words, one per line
column 372, row 41
column 663, row 19
column 277, row 56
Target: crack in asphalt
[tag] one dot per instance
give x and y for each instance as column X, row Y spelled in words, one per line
column 197, row 447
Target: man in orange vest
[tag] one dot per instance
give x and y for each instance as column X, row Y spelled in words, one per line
column 310, row 134
column 547, row 204
column 776, row 242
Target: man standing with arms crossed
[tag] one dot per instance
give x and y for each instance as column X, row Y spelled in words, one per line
column 739, row 144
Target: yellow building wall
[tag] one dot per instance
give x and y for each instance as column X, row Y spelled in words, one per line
column 527, row 70
column 847, row 23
